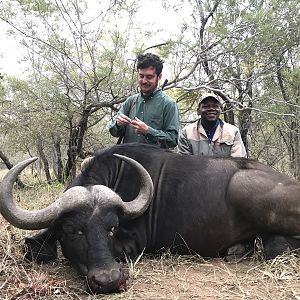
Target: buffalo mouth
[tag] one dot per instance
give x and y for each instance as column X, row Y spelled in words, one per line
column 104, row 282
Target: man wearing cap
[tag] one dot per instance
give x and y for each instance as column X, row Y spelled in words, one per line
column 210, row 135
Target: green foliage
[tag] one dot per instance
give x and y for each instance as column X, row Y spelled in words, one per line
column 39, row 6
column 77, row 61
column 292, row 80
column 85, row 60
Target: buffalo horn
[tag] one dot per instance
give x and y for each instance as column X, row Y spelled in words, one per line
column 36, row 219
column 139, row 205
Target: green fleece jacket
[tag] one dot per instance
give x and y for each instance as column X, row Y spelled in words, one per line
column 158, row 111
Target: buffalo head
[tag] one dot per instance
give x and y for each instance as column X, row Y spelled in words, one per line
column 85, row 220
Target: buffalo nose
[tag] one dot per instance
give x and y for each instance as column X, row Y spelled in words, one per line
column 100, row 278
column 115, row 275
column 106, row 281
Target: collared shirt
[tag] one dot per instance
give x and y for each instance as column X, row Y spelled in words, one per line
column 226, row 141
column 158, row 111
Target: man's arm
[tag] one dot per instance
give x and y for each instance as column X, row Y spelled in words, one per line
column 238, row 149
column 183, row 143
column 117, row 126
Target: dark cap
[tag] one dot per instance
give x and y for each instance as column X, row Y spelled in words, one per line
column 207, row 96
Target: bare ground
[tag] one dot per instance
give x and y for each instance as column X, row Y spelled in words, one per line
column 164, row 277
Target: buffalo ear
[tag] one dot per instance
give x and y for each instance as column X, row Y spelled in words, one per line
column 41, row 248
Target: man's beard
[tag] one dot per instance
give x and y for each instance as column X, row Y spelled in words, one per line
column 149, row 91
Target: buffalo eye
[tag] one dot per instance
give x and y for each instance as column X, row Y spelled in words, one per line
column 111, row 232
column 80, row 232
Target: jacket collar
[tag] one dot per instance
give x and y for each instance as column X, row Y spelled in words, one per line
column 218, row 131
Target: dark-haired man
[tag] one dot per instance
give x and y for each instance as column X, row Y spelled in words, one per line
column 150, row 116
column 210, row 135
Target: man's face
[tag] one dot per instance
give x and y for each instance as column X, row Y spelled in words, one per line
column 148, row 80
column 209, row 110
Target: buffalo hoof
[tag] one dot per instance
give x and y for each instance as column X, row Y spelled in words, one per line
column 238, row 252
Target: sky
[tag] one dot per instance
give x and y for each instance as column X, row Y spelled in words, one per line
column 10, row 53
column 151, row 14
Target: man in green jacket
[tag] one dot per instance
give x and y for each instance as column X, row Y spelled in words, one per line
column 150, row 116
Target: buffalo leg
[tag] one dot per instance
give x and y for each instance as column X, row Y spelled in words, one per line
column 41, row 247
column 267, row 201
column 277, row 245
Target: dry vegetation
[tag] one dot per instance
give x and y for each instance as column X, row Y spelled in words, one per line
column 165, row 277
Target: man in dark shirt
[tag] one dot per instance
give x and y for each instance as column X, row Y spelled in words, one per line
column 150, row 116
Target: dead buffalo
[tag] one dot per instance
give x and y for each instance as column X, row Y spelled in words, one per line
column 199, row 205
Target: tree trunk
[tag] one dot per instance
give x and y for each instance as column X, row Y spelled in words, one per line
column 40, row 149
column 293, row 140
column 77, row 133
column 9, row 165
column 245, row 116
column 59, row 164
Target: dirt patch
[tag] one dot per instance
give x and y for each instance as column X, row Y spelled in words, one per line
column 164, row 277
column 216, row 279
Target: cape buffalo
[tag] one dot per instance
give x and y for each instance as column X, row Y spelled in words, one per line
column 199, row 205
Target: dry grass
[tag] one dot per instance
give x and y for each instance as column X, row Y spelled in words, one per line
column 165, row 277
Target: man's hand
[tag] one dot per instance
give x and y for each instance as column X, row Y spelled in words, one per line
column 123, row 120
column 139, row 126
